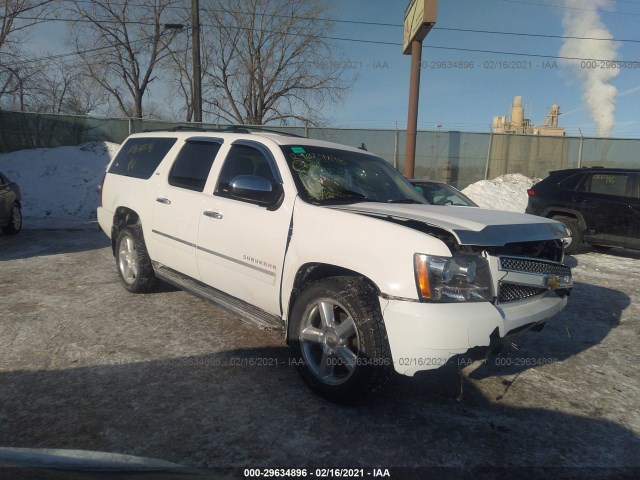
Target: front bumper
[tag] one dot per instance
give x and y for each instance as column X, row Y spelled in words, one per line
column 424, row 336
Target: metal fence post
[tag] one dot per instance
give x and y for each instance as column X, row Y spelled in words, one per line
column 580, row 149
column 395, row 149
column 486, row 167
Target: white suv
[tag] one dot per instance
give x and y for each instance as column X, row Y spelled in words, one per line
column 330, row 245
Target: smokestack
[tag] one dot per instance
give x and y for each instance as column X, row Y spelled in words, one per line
column 582, row 19
column 517, row 113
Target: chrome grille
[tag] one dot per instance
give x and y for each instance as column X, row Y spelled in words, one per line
column 531, row 265
column 510, row 292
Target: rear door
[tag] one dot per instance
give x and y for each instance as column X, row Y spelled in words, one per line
column 607, row 211
column 633, row 240
column 178, row 205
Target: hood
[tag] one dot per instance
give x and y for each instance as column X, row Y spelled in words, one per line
column 470, row 225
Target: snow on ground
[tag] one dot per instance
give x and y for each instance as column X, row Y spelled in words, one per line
column 507, row 192
column 59, row 185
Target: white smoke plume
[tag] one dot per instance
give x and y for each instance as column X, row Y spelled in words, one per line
column 582, row 19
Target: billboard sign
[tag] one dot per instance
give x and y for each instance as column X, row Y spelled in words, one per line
column 419, row 18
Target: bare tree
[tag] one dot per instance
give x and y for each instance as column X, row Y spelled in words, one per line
column 270, row 61
column 18, row 16
column 121, row 44
column 63, row 88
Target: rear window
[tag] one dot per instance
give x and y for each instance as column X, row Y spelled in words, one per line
column 609, row 184
column 139, row 157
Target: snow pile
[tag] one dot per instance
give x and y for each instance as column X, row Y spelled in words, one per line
column 507, row 192
column 59, row 185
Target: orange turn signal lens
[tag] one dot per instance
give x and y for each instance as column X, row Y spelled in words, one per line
column 422, row 276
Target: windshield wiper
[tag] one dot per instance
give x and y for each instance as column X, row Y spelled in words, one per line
column 405, row 200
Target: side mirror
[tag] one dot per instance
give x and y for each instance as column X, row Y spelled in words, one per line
column 255, row 189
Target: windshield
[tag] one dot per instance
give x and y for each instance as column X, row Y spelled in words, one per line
column 327, row 176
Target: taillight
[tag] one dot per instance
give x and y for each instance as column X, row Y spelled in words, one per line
column 531, row 192
column 100, row 187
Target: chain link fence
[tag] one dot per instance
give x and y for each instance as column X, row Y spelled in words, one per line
column 459, row 158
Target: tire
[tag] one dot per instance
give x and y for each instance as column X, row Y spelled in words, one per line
column 574, row 242
column 15, row 221
column 133, row 262
column 339, row 339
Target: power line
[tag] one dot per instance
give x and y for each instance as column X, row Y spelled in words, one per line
column 78, row 53
column 343, row 39
column 449, row 29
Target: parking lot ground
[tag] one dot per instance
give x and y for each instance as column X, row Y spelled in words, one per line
column 86, row 365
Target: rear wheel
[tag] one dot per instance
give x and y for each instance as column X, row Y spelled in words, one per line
column 133, row 262
column 15, row 221
column 340, row 340
column 574, row 239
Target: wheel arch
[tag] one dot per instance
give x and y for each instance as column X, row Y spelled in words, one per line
column 565, row 212
column 312, row 272
column 122, row 217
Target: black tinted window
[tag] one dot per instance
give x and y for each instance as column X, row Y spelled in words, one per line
column 192, row 166
column 243, row 160
column 139, row 157
column 571, row 183
column 609, row 183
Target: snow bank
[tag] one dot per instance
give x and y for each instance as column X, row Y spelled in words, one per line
column 507, row 192
column 59, row 185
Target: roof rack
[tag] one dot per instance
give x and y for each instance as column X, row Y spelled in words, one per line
column 229, row 129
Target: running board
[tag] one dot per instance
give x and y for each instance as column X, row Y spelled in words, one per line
column 245, row 311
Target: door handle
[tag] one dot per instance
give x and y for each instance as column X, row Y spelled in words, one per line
column 212, row 214
column 164, row 200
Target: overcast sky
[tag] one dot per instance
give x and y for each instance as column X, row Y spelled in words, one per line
column 484, row 84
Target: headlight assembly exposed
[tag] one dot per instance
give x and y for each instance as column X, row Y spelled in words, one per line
column 461, row 278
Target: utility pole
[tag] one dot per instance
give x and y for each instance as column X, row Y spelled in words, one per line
column 419, row 19
column 197, row 67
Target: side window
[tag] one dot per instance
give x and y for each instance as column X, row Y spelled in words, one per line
column 192, row 165
column 609, row 183
column 573, row 183
column 243, row 160
column 139, row 157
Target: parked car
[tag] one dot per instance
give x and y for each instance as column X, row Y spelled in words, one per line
column 440, row 193
column 331, row 246
column 599, row 206
column 10, row 207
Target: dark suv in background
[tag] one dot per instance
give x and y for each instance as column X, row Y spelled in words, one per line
column 599, row 206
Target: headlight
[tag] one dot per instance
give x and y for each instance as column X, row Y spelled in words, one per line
column 461, row 278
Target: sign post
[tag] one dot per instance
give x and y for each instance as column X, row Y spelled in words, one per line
column 419, row 18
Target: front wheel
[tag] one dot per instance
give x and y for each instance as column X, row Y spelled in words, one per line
column 133, row 262
column 340, row 340
column 15, row 221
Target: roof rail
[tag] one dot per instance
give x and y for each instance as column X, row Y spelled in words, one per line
column 230, row 129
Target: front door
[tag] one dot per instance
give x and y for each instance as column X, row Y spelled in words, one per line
column 241, row 245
